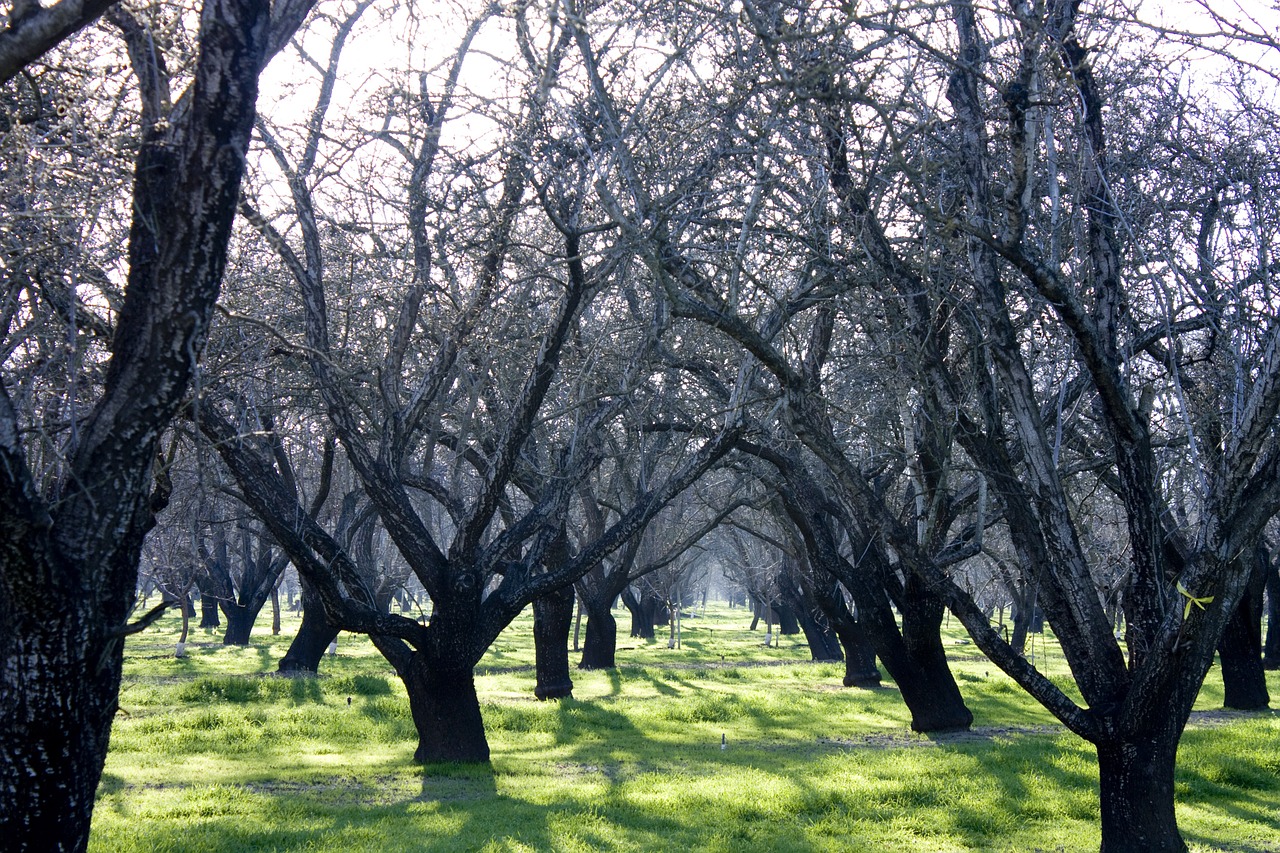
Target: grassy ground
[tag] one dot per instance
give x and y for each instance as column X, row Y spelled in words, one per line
column 209, row 753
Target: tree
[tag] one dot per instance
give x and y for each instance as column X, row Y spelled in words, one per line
column 72, row 537
column 1055, row 329
column 473, row 438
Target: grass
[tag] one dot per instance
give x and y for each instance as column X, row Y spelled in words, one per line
column 209, row 753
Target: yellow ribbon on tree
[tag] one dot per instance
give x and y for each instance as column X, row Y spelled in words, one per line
column 1199, row 601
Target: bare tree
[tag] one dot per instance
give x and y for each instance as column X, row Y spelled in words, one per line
column 72, row 536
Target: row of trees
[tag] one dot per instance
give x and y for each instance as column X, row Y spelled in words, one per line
column 907, row 297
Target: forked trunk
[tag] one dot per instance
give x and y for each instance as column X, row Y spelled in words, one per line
column 1136, row 782
column 552, row 618
column 601, row 642
column 446, row 713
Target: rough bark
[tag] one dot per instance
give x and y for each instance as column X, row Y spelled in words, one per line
column 446, row 713
column 552, row 619
column 786, row 619
column 1272, row 650
column 209, row 611
column 240, row 621
column 68, row 570
column 641, row 608
column 860, row 668
column 928, row 686
column 824, row 645
column 1244, row 680
column 314, row 635
column 601, row 641
column 1136, row 780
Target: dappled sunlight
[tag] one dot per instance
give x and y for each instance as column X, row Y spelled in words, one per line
column 213, row 752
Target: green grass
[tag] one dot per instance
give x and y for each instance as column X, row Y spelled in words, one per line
column 210, row 753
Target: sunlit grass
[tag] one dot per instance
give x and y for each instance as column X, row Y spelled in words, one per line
column 212, row 753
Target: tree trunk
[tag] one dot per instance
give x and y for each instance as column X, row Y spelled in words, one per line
column 275, row 610
column 186, row 629
column 786, row 618
column 209, row 611
column 552, row 618
column 1272, row 649
column 1024, row 608
column 641, row 608
column 927, row 685
column 446, row 713
column 240, row 621
column 824, row 645
column 601, row 641
column 53, row 748
column 1136, row 782
column 1244, row 681
column 313, row 638
column 860, row 668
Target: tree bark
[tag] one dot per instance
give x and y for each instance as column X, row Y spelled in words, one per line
column 1272, row 649
column 552, row 618
column 601, row 642
column 68, row 569
column 446, row 713
column 824, row 645
column 1136, row 778
column 240, row 621
column 928, row 686
column 642, row 614
column 209, row 611
column 860, row 668
column 54, row 750
column 786, row 618
column 1244, row 681
column 314, row 635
